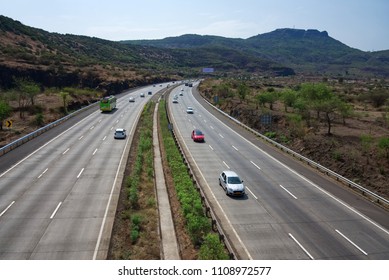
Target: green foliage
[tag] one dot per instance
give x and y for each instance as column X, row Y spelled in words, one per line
column 212, row 248
column 5, row 112
column 383, row 144
column 197, row 224
column 39, row 119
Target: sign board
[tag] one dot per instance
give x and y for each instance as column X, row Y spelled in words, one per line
column 208, row 70
column 266, row 119
column 8, row 123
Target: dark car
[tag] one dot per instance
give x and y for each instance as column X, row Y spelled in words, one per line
column 198, row 136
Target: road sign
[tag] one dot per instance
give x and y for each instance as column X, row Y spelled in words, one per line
column 8, row 123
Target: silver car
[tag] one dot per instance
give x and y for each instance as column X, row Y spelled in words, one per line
column 231, row 183
column 120, row 133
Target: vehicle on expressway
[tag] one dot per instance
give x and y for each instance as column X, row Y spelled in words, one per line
column 189, row 110
column 120, row 133
column 198, row 135
column 108, row 103
column 231, row 183
column 142, row 94
column 150, row 93
column 132, row 99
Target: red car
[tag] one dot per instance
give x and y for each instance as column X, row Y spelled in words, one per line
column 197, row 135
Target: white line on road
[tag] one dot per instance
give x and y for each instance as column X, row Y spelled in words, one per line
column 92, row 127
column 6, row 209
column 211, row 127
column 235, row 147
column 105, row 137
column 81, row 137
column 79, row 174
column 210, row 147
column 94, row 152
column 255, row 165
column 301, row 246
column 221, row 135
column 251, row 192
column 55, row 211
column 355, row 245
column 43, row 173
column 288, row 192
column 226, row 164
column 67, row 150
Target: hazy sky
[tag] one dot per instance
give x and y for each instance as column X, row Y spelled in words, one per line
column 361, row 24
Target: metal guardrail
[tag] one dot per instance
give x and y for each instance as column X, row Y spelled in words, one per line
column 215, row 224
column 351, row 184
column 9, row 147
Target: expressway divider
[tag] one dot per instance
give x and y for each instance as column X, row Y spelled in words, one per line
column 216, row 225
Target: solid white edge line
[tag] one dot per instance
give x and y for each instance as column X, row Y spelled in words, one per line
column 216, row 201
column 37, row 150
column 307, row 180
column 112, row 189
column 355, row 245
column 6, row 209
column 288, row 192
column 55, row 211
column 301, row 246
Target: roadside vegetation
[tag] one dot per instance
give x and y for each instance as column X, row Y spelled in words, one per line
column 198, row 225
column 341, row 124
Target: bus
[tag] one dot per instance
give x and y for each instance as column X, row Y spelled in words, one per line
column 108, row 103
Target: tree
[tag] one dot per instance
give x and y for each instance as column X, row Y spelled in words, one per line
column 289, row 97
column 28, row 87
column 5, row 112
column 243, row 90
column 65, row 96
column 267, row 97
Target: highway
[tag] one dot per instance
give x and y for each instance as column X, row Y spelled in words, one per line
column 288, row 212
column 59, row 201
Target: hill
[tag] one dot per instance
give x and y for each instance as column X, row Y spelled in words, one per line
column 305, row 51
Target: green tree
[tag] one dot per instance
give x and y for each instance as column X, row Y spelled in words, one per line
column 243, row 90
column 267, row 98
column 27, row 87
column 289, row 97
column 5, row 112
column 65, row 97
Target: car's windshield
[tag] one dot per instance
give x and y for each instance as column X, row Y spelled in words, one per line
column 198, row 132
column 234, row 180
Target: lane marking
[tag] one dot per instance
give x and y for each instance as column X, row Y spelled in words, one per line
column 43, row 173
column 226, row 164
column 92, row 127
column 6, row 209
column 67, row 150
column 94, row 152
column 79, row 174
column 251, row 192
column 221, row 136
column 40, row 148
column 255, row 165
column 288, row 192
column 55, row 211
column 105, row 137
column 301, row 246
column 211, row 127
column 235, row 148
column 81, row 137
column 210, row 147
column 355, row 245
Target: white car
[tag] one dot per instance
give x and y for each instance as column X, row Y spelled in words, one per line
column 142, row 94
column 189, row 110
column 231, row 183
column 132, row 99
column 120, row 133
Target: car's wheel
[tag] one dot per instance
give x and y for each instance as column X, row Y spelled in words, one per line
column 226, row 192
column 220, row 184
